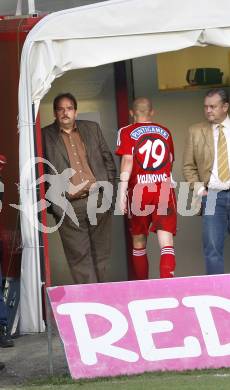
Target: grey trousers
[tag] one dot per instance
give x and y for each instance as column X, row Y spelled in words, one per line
column 87, row 247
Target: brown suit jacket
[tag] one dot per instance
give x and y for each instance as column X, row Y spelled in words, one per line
column 198, row 154
column 99, row 157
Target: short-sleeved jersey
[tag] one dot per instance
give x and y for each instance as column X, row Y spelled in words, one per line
column 151, row 146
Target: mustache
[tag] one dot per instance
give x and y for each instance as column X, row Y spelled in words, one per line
column 65, row 117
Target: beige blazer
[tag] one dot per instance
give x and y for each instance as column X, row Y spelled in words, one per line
column 198, row 154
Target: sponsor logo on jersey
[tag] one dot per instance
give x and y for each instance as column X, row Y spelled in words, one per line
column 142, row 130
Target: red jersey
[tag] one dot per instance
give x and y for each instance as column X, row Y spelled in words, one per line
column 152, row 148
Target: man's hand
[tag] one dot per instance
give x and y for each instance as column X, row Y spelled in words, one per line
column 123, row 203
column 202, row 192
column 122, row 196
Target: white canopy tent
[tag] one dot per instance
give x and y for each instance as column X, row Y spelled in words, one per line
column 89, row 36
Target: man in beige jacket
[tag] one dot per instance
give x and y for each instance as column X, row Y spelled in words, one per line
column 206, row 163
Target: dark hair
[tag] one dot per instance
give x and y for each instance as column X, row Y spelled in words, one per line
column 219, row 91
column 61, row 96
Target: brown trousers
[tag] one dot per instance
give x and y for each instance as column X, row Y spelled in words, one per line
column 87, row 247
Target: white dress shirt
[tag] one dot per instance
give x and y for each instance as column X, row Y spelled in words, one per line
column 215, row 182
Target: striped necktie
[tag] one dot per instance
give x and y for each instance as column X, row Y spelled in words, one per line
column 222, row 156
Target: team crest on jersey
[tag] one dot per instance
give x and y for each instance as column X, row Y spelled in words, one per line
column 143, row 130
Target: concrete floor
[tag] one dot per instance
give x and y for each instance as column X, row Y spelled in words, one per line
column 28, row 359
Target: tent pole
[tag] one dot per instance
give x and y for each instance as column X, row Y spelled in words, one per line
column 38, row 195
column 40, row 190
column 49, row 334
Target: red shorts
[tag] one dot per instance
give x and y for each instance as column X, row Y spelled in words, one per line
column 152, row 207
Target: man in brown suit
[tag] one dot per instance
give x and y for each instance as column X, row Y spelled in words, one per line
column 79, row 145
column 206, row 162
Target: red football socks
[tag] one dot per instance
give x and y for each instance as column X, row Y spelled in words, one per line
column 167, row 262
column 140, row 263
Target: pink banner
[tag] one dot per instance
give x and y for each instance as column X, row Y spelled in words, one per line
column 130, row 327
